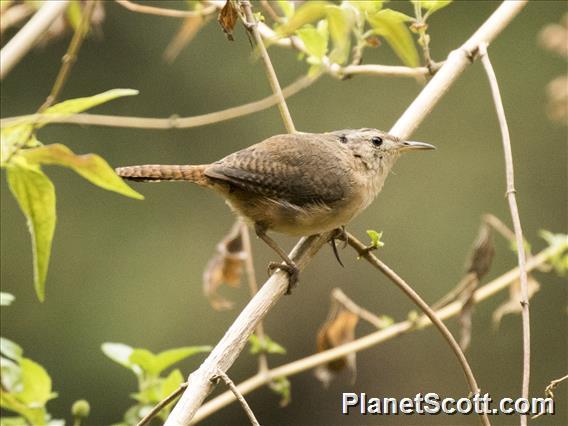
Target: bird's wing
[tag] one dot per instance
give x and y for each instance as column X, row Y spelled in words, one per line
column 290, row 170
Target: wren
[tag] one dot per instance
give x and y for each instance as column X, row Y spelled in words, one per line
column 297, row 184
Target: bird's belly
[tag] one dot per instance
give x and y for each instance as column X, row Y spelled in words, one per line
column 295, row 220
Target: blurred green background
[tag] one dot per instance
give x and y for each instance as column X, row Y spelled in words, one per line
column 129, row 271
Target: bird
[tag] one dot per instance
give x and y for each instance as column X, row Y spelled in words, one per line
column 297, row 184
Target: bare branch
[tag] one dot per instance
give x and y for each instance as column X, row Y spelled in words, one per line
column 378, row 70
column 418, row 301
column 14, row 14
column 70, row 56
column 172, row 122
column 239, row 397
column 253, row 286
column 372, row 339
column 270, row 73
column 548, row 391
column 26, row 38
column 160, row 11
column 350, row 305
column 516, row 221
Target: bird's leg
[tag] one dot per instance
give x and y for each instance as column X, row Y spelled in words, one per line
column 289, row 266
column 341, row 235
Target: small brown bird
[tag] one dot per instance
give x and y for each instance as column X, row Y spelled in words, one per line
column 297, row 184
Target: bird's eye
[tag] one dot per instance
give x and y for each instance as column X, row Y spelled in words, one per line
column 377, row 141
column 343, row 139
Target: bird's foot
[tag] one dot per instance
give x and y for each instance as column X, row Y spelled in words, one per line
column 291, row 269
column 341, row 235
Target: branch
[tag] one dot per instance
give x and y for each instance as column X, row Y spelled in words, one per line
column 70, row 56
column 372, row 339
column 253, row 286
column 232, row 343
column 25, row 39
column 516, row 221
column 160, row 11
column 418, row 301
column 160, row 406
column 172, row 122
column 270, row 73
column 377, row 70
column 353, row 307
column 239, row 397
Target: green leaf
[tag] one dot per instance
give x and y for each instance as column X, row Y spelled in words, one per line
column 119, row 353
column 167, row 358
column 287, row 7
column 36, row 384
column 34, row 416
column 170, row 384
column 264, row 345
column 74, row 106
column 10, row 349
column 375, row 238
column 74, row 14
column 6, row 299
column 390, row 24
column 559, row 260
column 144, row 359
column 11, row 374
column 36, row 196
column 13, row 421
column 315, row 42
column 13, row 138
column 340, row 21
column 281, row 385
column 367, row 7
column 90, row 166
column 432, row 5
column 308, row 13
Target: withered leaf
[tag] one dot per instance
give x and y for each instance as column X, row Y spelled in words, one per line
column 513, row 304
column 482, row 252
column 227, row 18
column 336, row 331
column 225, row 267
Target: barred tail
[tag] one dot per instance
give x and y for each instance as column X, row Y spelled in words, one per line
column 156, row 173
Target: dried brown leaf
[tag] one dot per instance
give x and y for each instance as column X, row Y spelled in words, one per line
column 225, row 267
column 482, row 252
column 227, row 18
column 336, row 331
column 513, row 304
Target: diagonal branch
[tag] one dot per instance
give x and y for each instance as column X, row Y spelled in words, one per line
column 511, row 198
column 373, row 339
column 232, row 343
column 26, row 38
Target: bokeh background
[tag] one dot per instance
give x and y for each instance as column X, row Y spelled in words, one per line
column 130, row 271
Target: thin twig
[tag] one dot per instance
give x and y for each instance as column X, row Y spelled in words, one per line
column 270, row 73
column 516, row 221
column 548, row 391
column 253, row 286
column 373, row 339
column 160, row 11
column 361, row 312
column 239, row 396
column 30, row 33
column 499, row 226
column 172, row 122
column 70, row 56
column 160, row 406
column 418, row 301
column 232, row 343
column 377, row 70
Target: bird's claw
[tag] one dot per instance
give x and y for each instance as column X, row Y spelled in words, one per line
column 292, row 271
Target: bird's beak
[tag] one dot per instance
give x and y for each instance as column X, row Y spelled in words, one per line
column 411, row 146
